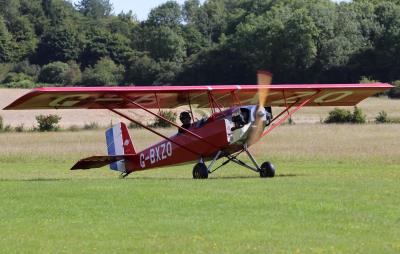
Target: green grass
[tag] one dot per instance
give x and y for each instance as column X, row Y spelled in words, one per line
column 337, row 207
column 337, row 191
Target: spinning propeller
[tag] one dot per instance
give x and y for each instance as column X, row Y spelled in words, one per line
column 264, row 80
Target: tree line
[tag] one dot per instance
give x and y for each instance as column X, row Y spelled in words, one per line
column 216, row 42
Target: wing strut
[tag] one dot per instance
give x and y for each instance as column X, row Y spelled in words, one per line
column 151, row 130
column 289, row 113
column 172, row 123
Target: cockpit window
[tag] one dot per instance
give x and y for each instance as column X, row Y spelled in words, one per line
column 240, row 118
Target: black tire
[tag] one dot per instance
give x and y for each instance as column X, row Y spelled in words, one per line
column 267, row 170
column 200, row 171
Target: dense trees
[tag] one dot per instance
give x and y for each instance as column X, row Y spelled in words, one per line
column 219, row 41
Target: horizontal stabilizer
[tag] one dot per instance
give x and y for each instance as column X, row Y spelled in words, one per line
column 99, row 161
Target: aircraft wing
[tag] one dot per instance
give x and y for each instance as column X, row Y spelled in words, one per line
column 198, row 96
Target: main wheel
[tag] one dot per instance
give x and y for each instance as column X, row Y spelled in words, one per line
column 200, row 171
column 267, row 170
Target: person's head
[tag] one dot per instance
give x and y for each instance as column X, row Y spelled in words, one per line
column 185, row 117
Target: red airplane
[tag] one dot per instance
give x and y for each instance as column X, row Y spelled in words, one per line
column 241, row 115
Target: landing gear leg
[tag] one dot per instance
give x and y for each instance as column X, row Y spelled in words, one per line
column 201, row 171
column 266, row 169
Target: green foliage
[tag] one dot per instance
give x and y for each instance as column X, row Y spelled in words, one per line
column 60, row 44
column 28, row 69
column 159, row 123
column 13, row 77
column 358, row 116
column 167, row 14
column 339, row 116
column 24, row 37
column 382, row 117
column 6, row 43
column 61, row 73
column 105, row 72
column 54, row 73
column 345, row 116
column 163, row 43
column 101, row 43
column 95, row 8
column 22, row 84
column 48, row 122
column 133, row 125
column 1, row 123
column 5, row 68
column 73, row 75
column 74, row 128
column 141, row 70
column 20, row 128
column 204, row 42
column 91, row 126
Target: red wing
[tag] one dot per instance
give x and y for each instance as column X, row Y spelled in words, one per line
column 175, row 96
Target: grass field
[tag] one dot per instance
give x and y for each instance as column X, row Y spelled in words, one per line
column 337, row 191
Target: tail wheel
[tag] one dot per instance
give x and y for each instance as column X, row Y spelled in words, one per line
column 267, row 170
column 200, row 171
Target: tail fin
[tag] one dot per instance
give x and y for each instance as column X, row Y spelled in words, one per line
column 119, row 143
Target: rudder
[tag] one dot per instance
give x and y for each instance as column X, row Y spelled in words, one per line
column 119, row 143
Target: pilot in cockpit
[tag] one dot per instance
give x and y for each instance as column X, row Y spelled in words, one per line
column 186, row 120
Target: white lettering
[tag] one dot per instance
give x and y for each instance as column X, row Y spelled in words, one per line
column 163, row 155
column 169, row 149
column 158, row 153
column 152, row 156
column 142, row 161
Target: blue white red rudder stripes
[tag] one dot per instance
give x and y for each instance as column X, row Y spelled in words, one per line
column 119, row 143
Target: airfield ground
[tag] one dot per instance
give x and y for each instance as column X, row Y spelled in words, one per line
column 337, row 191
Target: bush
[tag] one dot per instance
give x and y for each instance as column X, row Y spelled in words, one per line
column 339, row 116
column 382, row 117
column 358, row 116
column 159, row 123
column 394, row 93
column 105, row 72
column 74, row 128
column 91, row 126
column 4, row 70
column 54, row 73
column 13, row 77
column 20, row 128
column 21, row 84
column 345, row 116
column 73, row 76
column 31, row 70
column 48, row 122
column 4, row 128
column 133, row 125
